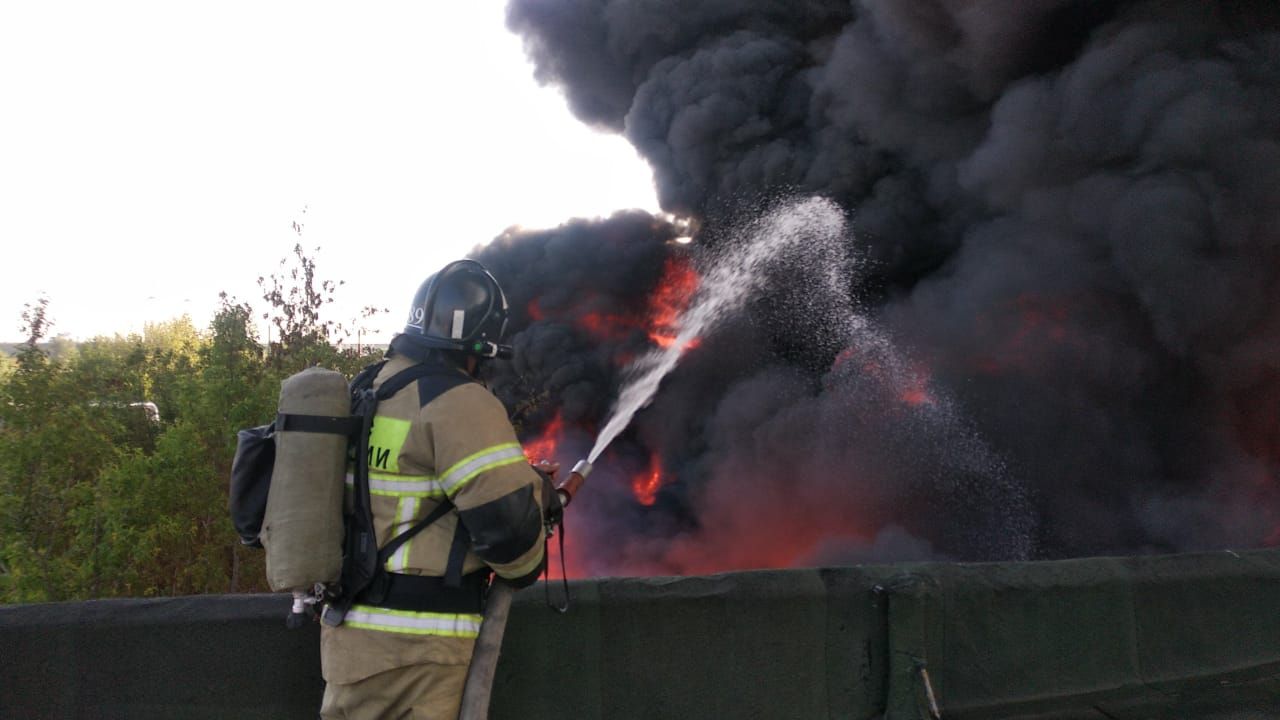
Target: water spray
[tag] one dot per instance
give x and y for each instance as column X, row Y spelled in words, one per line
column 811, row 223
column 725, row 290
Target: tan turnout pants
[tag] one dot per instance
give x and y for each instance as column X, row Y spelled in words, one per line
column 417, row 692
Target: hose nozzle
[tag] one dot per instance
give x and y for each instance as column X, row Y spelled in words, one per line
column 569, row 487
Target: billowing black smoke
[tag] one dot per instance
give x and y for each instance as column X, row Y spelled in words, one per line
column 1067, row 215
column 560, row 283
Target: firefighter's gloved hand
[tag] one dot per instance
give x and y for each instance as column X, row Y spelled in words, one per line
column 552, row 510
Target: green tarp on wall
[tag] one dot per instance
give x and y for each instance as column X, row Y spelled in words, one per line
column 1184, row 636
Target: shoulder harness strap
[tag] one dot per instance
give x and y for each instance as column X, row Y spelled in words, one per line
column 434, row 379
column 369, row 577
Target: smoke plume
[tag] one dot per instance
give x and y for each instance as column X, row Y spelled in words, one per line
column 1065, row 222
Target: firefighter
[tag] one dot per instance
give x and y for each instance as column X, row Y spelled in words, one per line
column 442, row 439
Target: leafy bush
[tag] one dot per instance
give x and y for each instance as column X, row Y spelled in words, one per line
column 102, row 497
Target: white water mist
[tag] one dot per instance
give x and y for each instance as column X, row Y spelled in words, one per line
column 810, row 226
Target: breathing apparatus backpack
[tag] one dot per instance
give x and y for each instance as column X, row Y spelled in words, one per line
column 287, row 488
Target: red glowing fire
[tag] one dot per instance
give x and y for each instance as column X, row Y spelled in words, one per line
column 678, row 284
column 644, row 487
column 543, row 447
column 645, row 484
column 658, row 320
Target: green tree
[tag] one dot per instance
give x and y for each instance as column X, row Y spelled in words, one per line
column 296, row 298
column 98, row 497
column 173, row 356
column 52, row 446
column 7, row 365
column 164, row 521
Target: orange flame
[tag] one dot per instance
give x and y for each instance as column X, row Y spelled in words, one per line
column 671, row 298
column 572, row 567
column 645, row 485
column 543, row 447
column 606, row 327
column 668, row 300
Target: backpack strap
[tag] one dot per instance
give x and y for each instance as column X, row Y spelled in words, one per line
column 434, row 379
column 359, row 545
column 391, row 547
column 290, row 422
column 457, row 553
column 425, row 373
column 347, row 425
column 364, row 379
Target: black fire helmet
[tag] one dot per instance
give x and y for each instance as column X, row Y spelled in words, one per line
column 463, row 308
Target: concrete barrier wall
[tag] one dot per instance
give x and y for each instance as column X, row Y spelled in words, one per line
column 1175, row 636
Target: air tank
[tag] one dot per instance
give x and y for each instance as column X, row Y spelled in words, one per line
column 302, row 528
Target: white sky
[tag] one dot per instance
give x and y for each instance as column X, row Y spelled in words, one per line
column 155, row 153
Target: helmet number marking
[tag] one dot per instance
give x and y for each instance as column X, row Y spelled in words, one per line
column 415, row 317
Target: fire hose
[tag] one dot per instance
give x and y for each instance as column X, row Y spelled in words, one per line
column 484, row 659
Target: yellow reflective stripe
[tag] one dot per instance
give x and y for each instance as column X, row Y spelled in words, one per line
column 465, row 470
column 463, row 625
column 405, row 485
column 385, row 442
column 526, row 567
column 399, row 478
column 405, row 510
column 462, row 472
column 421, row 486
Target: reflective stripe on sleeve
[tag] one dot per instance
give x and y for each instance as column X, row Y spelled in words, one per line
column 528, row 566
column 469, row 467
column 368, row 617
